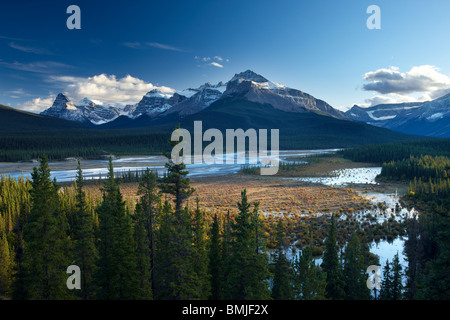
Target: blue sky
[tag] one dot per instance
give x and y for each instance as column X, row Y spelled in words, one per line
column 125, row 48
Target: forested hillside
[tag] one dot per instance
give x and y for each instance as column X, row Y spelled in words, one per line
column 398, row 151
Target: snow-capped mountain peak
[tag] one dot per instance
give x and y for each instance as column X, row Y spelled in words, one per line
column 63, row 108
column 248, row 75
column 86, row 110
column 257, row 88
column 61, row 98
column 156, row 93
column 62, row 102
column 86, row 102
column 198, row 99
column 219, row 86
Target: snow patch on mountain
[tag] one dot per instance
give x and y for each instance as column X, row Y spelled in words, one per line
column 370, row 113
column 436, row 116
column 248, row 75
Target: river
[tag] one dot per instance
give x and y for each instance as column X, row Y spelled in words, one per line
column 64, row 171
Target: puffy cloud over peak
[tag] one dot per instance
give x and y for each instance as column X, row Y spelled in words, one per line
column 106, row 88
column 38, row 105
column 423, row 78
column 421, row 83
column 109, row 88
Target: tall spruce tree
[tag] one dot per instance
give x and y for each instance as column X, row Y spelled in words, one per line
column 176, row 277
column 354, row 271
column 116, row 271
column 181, row 276
column 6, row 266
column 176, row 182
column 309, row 281
column 215, row 261
column 142, row 253
column 85, row 252
column 391, row 285
column 397, row 285
column 162, row 253
column 247, row 270
column 386, row 283
column 413, row 256
column 201, row 253
column 282, row 287
column 19, row 291
column 150, row 201
column 47, row 248
column 227, row 236
column 332, row 266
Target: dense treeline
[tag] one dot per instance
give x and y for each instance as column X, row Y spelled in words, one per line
column 80, row 143
column 398, row 151
column 163, row 249
column 424, row 167
column 92, row 142
column 436, row 191
column 255, row 169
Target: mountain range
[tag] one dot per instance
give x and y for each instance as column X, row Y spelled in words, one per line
column 430, row 118
column 157, row 104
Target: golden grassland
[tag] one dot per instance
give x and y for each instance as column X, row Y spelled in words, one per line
column 274, row 193
column 277, row 196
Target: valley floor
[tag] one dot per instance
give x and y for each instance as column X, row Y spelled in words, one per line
column 282, row 193
column 303, row 203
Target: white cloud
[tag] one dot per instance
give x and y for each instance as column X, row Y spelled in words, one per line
column 391, row 98
column 15, row 94
column 162, row 46
column 423, row 78
column 421, row 83
column 38, row 104
column 211, row 61
column 11, row 38
column 215, row 64
column 137, row 44
column 29, row 49
column 108, row 88
column 38, row 67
